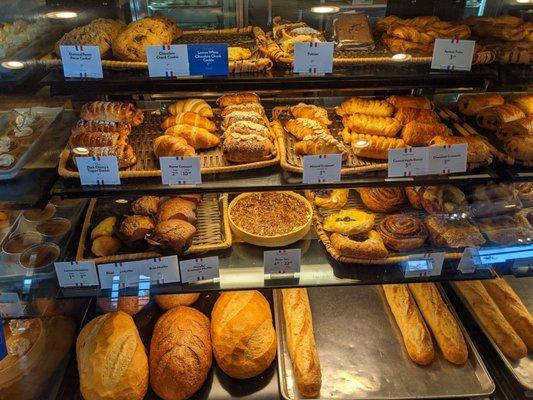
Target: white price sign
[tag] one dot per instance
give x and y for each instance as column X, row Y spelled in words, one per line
column 81, row 61
column 447, row 159
column 167, row 60
column 127, row 275
column 76, row 273
column 313, row 58
column 98, row 170
column 10, row 305
column 453, row 54
column 469, row 261
column 323, row 168
column 199, row 269
column 282, row 261
column 421, row 265
column 160, row 270
column 180, row 170
column 408, row 161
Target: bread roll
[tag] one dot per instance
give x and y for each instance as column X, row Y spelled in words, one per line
column 441, row 322
column 301, row 341
column 414, row 331
column 512, row 308
column 168, row 301
column 112, row 359
column 492, row 319
column 244, row 340
column 180, row 353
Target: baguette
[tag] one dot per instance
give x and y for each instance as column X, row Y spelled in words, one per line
column 492, row 319
column 512, row 308
column 414, row 331
column 441, row 322
column 301, row 342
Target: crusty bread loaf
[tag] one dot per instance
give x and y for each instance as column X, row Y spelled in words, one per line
column 244, row 340
column 492, row 319
column 512, row 308
column 180, row 353
column 441, row 322
column 168, row 301
column 112, row 359
column 412, row 326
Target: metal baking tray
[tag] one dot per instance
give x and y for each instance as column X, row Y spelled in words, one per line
column 362, row 355
column 522, row 370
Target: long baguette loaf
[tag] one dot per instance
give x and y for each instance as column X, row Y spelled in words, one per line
column 492, row 319
column 441, row 322
column 301, row 341
column 512, row 308
column 412, row 326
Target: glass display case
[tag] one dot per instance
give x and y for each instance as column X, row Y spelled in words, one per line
column 255, row 232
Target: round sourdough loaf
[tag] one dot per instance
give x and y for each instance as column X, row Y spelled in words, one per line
column 112, row 360
column 180, row 353
column 244, row 340
column 168, row 301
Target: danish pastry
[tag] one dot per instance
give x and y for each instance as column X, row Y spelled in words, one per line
column 443, row 199
column 403, row 232
column 453, row 232
column 328, row 198
column 506, row 229
column 382, row 199
column 256, row 107
column 311, row 111
column 414, row 195
column 349, row 221
column 365, row 245
column 247, row 147
column 397, row 45
column 372, row 125
column 420, row 134
column 358, row 105
column 250, row 116
column 493, row 117
column 471, row 104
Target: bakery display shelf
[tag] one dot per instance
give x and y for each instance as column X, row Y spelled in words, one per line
column 351, row 341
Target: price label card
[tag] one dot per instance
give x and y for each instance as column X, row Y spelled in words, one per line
column 81, row 61
column 313, row 58
column 159, row 270
column 208, row 59
column 523, row 265
column 127, row 274
column 98, row 170
column 76, row 273
column 167, row 60
column 469, row 261
column 453, row 54
column 282, row 261
column 10, row 305
column 3, row 344
column 180, row 170
column 421, row 265
column 409, row 161
column 323, row 168
column 199, row 269
column 447, row 159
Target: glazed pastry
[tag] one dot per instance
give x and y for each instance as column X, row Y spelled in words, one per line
column 198, row 138
column 302, row 127
column 493, row 117
column 106, row 227
column 414, row 195
column 420, row 134
column 349, row 221
column 177, row 208
column 365, row 245
column 410, row 34
column 506, row 229
column 250, row 116
column 404, row 115
column 189, row 118
column 519, row 127
column 146, row 205
column 198, row 106
column 175, row 234
column 525, row 192
column 358, row 105
column 525, row 103
column 478, row 150
column 371, row 125
column 382, row 199
column 171, row 146
column 402, row 232
column 409, row 101
column 328, row 198
column 370, row 146
column 453, row 233
column 443, row 199
column 238, row 53
column 310, row 111
column 104, row 246
column 111, row 111
column 256, row 107
column 237, row 98
column 471, row 104
column 135, row 228
column 320, row 144
column 247, row 147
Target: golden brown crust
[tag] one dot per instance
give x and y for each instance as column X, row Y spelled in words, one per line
column 198, row 138
column 478, row 150
column 189, row 118
column 520, row 127
column 372, row 125
column 104, row 246
column 328, row 198
column 420, row 134
column 397, row 45
column 519, row 147
column 135, row 228
column 238, row 116
column 525, row 103
column 257, row 107
column 376, row 147
column 311, row 111
column 407, row 114
column 383, row 200
column 414, row 195
column 320, row 144
column 238, row 98
column 302, row 127
column 242, row 148
column 443, row 199
column 177, row 208
column 171, row 146
column 111, row 111
column 493, row 117
column 453, row 233
column 198, row 106
column 168, row 301
column 349, row 221
column 403, row 232
column 174, row 234
column 365, row 245
column 146, row 205
column 358, row 105
column 471, row 104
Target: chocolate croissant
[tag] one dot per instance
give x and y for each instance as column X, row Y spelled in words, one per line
column 420, row 134
column 477, row 150
column 410, row 101
column 111, row 111
column 404, row 115
column 471, row 104
column 372, row 125
column 493, row 117
column 519, row 127
column 355, row 105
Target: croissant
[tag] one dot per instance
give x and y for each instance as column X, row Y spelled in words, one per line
column 372, row 125
column 410, row 33
column 378, row 108
column 302, row 127
column 477, row 152
column 491, row 118
column 410, row 101
column 237, row 98
column 519, row 147
column 374, row 146
column 189, row 118
column 420, row 134
column 471, row 104
column 525, row 103
column 320, row 144
column 198, row 138
column 404, row 115
column 311, row 111
column 198, row 106
column 171, row 146
column 255, row 107
column 522, row 127
column 111, row 111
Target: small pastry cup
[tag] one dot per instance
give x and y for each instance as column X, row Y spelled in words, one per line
column 54, row 229
column 40, row 257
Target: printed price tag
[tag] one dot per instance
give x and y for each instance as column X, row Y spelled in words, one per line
column 447, row 159
column 313, row 58
column 10, row 305
column 469, row 261
column 453, row 54
column 281, row 261
column 98, row 170
column 180, row 170
column 420, row 265
column 3, row 344
column 159, row 270
column 167, row 60
column 76, row 273
column 81, row 61
column 409, row 161
column 208, row 59
column 322, row 168
column 126, row 274
column 199, row 269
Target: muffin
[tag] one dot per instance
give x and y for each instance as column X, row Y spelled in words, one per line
column 175, row 234
column 177, row 208
column 135, row 228
column 146, row 205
